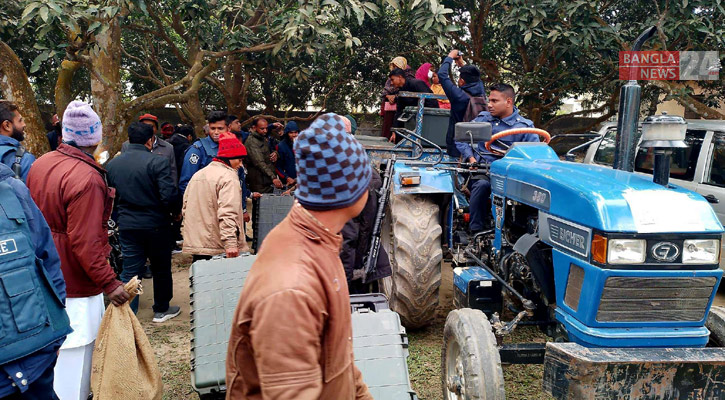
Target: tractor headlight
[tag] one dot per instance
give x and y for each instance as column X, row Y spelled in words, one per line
column 627, row 251
column 701, row 251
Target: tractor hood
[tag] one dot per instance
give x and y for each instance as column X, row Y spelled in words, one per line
column 598, row 197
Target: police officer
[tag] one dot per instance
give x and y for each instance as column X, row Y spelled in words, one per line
column 502, row 116
column 201, row 152
column 30, row 351
column 12, row 133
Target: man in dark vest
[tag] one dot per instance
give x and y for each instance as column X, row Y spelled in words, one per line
column 28, row 357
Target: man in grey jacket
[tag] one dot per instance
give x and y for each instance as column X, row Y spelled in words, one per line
column 159, row 146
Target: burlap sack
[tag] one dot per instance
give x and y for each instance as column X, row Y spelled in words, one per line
column 124, row 364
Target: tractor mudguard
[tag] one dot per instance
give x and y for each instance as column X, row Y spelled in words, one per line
column 572, row 371
column 541, row 268
column 431, row 180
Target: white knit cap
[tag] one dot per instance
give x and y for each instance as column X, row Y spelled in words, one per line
column 81, row 124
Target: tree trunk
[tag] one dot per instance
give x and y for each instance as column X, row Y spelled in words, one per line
column 105, row 82
column 195, row 111
column 63, row 91
column 14, row 86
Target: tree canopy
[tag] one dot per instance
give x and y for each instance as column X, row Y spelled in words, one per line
column 127, row 56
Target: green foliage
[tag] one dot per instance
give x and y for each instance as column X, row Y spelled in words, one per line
column 556, row 49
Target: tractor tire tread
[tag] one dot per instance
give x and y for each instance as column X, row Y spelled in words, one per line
column 481, row 361
column 415, row 259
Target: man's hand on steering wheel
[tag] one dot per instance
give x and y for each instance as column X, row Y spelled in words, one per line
column 517, row 131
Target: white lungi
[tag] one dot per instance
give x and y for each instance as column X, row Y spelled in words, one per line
column 73, row 369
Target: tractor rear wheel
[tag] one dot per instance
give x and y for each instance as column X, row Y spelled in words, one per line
column 412, row 237
column 716, row 324
column 470, row 363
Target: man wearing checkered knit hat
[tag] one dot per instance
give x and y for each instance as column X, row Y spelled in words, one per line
column 292, row 334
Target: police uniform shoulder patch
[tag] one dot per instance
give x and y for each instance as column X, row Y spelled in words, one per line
column 194, row 159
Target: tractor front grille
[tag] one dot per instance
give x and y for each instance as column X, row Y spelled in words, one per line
column 654, row 299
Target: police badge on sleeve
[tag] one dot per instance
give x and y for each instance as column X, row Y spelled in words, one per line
column 194, row 159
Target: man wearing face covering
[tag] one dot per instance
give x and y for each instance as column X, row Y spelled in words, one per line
column 12, row 132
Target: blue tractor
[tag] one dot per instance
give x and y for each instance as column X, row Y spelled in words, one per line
column 618, row 270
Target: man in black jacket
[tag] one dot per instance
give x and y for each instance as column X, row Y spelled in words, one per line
column 407, row 84
column 146, row 198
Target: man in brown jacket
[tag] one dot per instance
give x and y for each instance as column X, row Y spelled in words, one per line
column 292, row 334
column 260, row 166
column 70, row 189
column 213, row 214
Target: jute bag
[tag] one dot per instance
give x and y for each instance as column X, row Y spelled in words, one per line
column 124, row 364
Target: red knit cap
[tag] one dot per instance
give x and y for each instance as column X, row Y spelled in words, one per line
column 230, row 146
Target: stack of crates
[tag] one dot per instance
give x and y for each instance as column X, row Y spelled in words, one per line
column 379, row 340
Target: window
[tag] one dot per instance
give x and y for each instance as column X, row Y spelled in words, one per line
column 716, row 170
column 605, row 151
column 683, row 161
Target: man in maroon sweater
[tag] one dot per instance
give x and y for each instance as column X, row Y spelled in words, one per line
column 70, row 189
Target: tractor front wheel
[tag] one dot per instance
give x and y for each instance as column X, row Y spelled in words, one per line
column 412, row 237
column 471, row 365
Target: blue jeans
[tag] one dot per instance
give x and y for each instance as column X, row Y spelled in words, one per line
column 479, row 204
column 155, row 244
column 41, row 388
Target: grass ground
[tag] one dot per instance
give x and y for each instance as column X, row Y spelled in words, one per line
column 424, row 364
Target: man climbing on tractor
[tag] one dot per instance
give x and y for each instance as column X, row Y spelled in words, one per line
column 502, row 115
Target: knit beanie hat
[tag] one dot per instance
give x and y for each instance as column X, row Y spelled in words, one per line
column 470, row 73
column 291, row 127
column 81, row 124
column 230, row 147
column 333, row 170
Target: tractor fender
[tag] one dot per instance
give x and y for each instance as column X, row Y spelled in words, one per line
column 432, row 180
column 538, row 255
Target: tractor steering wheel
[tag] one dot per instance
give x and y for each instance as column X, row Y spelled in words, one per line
column 544, row 135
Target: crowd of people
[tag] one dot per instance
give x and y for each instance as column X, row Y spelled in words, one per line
column 164, row 185
column 167, row 189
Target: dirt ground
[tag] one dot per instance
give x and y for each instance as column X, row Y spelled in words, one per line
column 171, row 341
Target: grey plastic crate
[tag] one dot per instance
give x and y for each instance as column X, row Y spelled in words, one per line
column 215, row 289
column 380, row 345
column 268, row 211
column 435, row 123
column 379, row 340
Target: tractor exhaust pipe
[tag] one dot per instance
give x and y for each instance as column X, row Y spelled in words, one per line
column 629, row 101
column 661, row 172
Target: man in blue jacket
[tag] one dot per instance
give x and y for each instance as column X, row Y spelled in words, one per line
column 469, row 85
column 201, row 152
column 12, row 132
column 502, row 115
column 30, row 376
